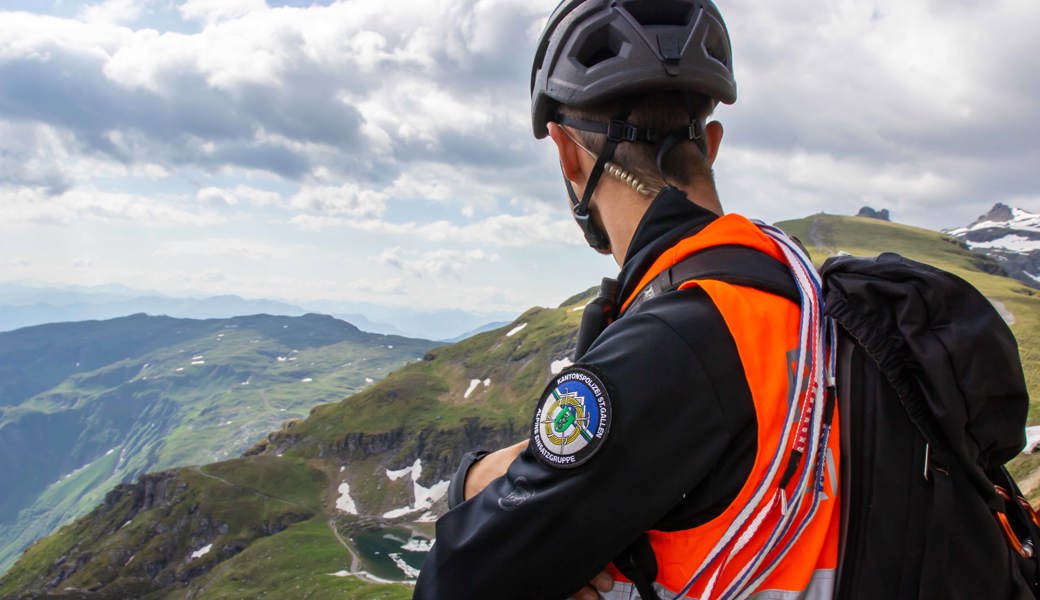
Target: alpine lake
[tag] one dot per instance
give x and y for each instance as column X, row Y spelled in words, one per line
column 392, row 553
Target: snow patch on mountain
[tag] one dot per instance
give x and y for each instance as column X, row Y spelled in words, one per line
column 1032, row 439
column 516, row 330
column 558, row 365
column 345, row 503
column 1002, row 216
column 424, row 497
column 418, row 545
column 473, row 383
column 409, row 571
column 1009, row 236
column 1012, row 242
column 203, row 551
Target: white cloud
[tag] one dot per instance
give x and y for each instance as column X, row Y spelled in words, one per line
column 30, row 206
column 434, row 263
column 231, row 247
column 112, row 11
column 213, row 11
column 348, row 199
column 536, row 229
column 236, row 195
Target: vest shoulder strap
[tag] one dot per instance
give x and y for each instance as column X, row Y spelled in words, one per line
column 734, row 264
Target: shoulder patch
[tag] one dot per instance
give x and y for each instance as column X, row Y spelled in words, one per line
column 572, row 420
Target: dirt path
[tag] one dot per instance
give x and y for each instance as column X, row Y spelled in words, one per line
column 355, row 560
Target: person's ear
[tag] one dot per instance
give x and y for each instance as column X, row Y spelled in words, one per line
column 713, row 137
column 570, row 154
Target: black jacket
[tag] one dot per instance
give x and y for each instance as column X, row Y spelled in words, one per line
column 680, row 445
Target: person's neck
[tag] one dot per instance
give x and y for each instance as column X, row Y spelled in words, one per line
column 622, row 214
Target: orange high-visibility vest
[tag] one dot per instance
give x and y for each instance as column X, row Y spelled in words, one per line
column 765, row 328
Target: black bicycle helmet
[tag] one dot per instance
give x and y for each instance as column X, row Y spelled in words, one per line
column 596, row 50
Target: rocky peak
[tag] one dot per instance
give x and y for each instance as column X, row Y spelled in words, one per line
column 870, row 213
column 1010, row 238
column 1000, row 213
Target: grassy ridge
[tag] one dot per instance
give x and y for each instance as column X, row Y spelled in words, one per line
column 431, row 393
column 300, row 562
column 225, row 505
column 826, row 235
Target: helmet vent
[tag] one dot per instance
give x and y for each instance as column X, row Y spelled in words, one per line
column 599, row 46
column 649, row 14
column 714, row 46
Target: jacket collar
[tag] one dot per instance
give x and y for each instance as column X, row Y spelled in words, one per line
column 671, row 217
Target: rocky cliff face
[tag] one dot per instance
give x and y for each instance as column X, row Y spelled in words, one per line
column 1009, row 236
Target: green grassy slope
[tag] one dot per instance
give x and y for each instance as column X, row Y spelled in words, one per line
column 177, row 392
column 826, row 235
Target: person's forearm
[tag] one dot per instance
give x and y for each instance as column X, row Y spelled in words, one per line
column 490, row 468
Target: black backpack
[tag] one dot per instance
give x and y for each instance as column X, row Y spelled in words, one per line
column 932, row 403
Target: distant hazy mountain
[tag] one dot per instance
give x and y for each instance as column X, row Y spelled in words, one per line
column 414, row 320
column 481, row 329
column 85, row 406
column 1011, row 237
column 23, row 305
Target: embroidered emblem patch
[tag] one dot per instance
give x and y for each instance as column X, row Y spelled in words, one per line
column 572, row 419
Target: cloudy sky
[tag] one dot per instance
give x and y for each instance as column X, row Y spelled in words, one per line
column 380, row 150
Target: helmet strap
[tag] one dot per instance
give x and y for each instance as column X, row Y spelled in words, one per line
column 694, row 132
column 618, row 130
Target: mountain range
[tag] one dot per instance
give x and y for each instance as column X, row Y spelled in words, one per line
column 339, row 504
column 1010, row 236
column 24, row 305
column 85, row 406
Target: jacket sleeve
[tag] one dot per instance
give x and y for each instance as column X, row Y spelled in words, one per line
column 543, row 531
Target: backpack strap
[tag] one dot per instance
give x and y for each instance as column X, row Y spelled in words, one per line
column 638, row 563
column 734, row 264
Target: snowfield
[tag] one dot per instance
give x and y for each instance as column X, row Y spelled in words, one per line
column 1020, row 219
column 1014, row 243
column 424, row 497
column 345, row 503
column 558, row 365
column 201, row 552
column 473, row 383
column 1032, row 439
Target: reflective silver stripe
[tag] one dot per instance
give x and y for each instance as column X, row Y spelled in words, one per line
column 627, row 591
column 821, row 587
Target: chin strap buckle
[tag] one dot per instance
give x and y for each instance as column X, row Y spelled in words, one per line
column 622, row 131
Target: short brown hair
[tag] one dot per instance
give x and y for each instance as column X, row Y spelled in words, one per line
column 664, row 112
